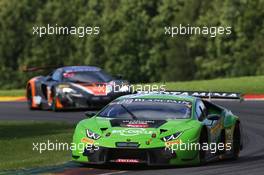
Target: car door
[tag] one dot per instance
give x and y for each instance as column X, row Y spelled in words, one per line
column 214, row 126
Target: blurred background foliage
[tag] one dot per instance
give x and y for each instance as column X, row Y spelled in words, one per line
column 132, row 40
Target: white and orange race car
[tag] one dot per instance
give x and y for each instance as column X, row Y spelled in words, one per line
column 74, row 87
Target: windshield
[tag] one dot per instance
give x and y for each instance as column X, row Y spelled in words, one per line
column 87, row 77
column 146, row 109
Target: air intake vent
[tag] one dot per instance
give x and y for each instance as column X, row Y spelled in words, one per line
column 103, row 129
column 163, row 130
column 127, row 144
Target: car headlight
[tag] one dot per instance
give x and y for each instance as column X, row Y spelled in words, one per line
column 92, row 135
column 172, row 137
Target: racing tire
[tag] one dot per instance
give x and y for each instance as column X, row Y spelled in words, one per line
column 236, row 142
column 202, row 153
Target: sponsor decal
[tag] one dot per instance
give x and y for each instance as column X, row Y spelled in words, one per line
column 137, row 123
column 132, row 132
column 153, row 100
column 126, row 161
column 230, row 95
column 87, row 140
column 174, row 142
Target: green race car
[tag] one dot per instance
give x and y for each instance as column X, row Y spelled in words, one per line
column 158, row 129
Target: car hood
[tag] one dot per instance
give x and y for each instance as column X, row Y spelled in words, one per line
column 116, row 128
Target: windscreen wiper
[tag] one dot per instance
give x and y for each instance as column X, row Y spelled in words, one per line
column 128, row 111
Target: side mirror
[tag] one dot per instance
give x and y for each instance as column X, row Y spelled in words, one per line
column 213, row 117
column 89, row 114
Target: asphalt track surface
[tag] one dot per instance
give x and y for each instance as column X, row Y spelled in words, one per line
column 251, row 159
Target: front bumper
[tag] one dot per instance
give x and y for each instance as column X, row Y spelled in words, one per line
column 151, row 157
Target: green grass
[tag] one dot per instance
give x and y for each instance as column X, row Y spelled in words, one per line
column 12, row 93
column 17, row 138
column 253, row 84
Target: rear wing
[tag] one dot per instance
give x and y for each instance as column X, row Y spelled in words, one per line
column 201, row 94
column 34, row 69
